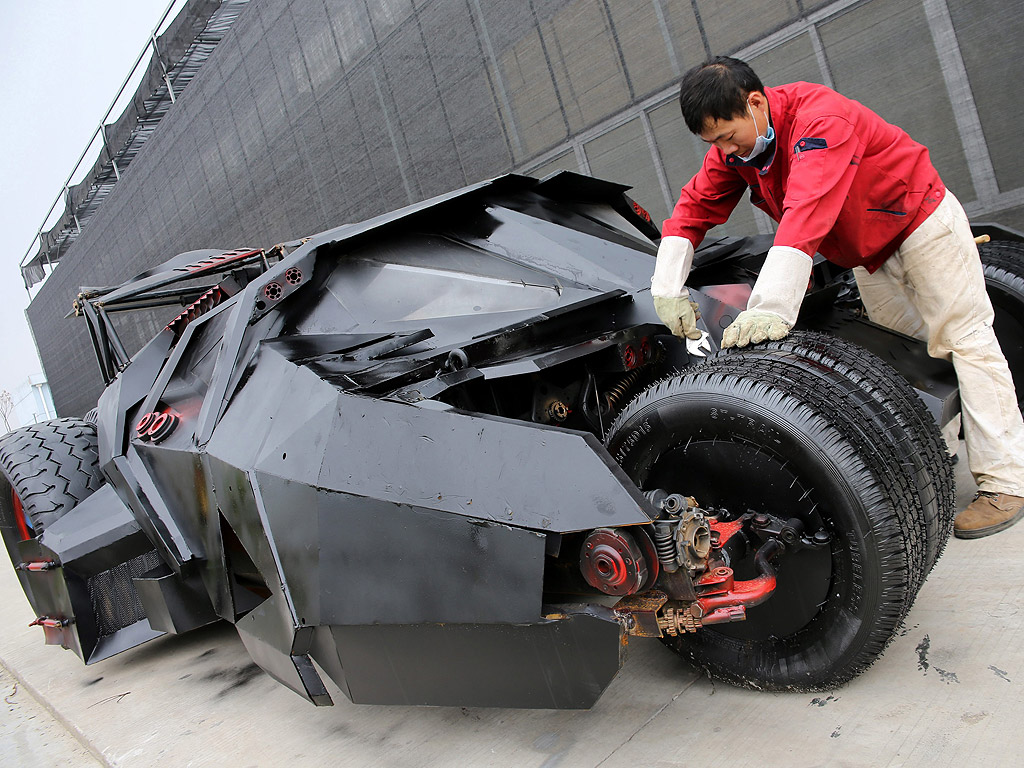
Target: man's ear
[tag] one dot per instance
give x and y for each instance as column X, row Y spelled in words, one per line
column 758, row 100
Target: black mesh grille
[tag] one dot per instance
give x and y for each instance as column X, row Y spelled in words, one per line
column 115, row 602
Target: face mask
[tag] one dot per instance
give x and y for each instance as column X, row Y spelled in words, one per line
column 761, row 142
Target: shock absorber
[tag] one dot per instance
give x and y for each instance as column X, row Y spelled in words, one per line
column 620, row 390
column 665, row 545
column 664, row 530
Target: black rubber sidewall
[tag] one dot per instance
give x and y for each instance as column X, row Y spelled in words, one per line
column 870, row 576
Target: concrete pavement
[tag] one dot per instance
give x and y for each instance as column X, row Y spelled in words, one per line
column 947, row 692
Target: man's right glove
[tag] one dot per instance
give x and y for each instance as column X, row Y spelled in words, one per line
column 752, row 326
column 774, row 301
column 679, row 315
column 668, row 287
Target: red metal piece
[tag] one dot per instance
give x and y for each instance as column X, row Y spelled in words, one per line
column 19, row 517
column 725, row 615
column 641, row 212
column 218, row 261
column 162, row 426
column 612, row 562
column 725, row 530
column 630, row 357
column 156, row 426
column 744, row 593
column 37, row 565
column 646, row 353
column 144, row 424
column 197, row 308
column 718, row 589
column 55, row 631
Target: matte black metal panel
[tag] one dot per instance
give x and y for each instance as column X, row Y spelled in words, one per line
column 564, row 664
column 379, row 562
column 179, row 490
column 100, row 534
column 50, row 594
column 174, row 605
column 127, row 390
column 526, row 475
column 269, row 636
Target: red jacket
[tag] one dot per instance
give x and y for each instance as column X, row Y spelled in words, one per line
column 841, row 181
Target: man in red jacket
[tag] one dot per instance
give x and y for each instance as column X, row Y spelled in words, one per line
column 842, row 182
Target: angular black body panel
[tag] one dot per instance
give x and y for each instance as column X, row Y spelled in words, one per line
column 377, row 456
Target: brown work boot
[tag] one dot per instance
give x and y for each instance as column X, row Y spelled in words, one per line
column 989, row 513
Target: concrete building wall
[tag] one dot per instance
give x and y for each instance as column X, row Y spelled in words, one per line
column 312, row 113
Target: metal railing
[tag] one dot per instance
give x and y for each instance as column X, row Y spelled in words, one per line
column 148, row 103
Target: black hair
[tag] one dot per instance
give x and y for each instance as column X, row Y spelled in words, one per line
column 716, row 90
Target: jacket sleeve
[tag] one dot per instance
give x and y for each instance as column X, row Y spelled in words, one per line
column 707, row 200
column 823, row 164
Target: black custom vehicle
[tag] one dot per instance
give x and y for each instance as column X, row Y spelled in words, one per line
column 450, row 456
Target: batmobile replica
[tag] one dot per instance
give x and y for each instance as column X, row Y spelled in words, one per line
column 450, row 456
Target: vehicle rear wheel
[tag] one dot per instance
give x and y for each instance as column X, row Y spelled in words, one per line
column 762, row 437
column 45, row 470
column 1003, row 262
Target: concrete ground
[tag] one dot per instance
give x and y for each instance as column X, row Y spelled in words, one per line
column 944, row 694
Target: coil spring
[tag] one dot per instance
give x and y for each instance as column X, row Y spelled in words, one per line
column 620, row 390
column 665, row 546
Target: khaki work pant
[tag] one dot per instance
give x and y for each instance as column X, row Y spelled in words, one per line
column 933, row 288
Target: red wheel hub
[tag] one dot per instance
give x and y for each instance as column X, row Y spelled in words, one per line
column 612, row 562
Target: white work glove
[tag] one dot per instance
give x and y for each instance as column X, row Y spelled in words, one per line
column 775, row 301
column 668, row 287
column 679, row 315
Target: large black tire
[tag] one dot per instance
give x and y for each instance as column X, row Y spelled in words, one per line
column 898, row 416
column 758, row 435
column 46, row 470
column 1003, row 262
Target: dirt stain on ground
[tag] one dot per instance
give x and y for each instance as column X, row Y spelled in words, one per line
column 236, row 677
column 922, row 654
column 999, row 673
column 821, row 702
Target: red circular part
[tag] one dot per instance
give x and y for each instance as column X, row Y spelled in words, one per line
column 162, row 426
column 629, row 357
column 610, row 565
column 144, row 423
column 611, row 562
column 157, row 423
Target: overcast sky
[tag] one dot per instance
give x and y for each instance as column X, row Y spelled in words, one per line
column 61, row 64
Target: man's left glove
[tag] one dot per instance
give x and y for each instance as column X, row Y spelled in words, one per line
column 668, row 287
column 752, row 326
column 679, row 314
